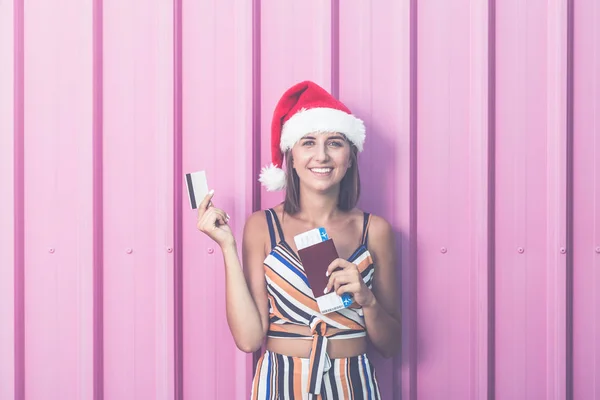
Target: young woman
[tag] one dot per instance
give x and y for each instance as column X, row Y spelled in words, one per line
column 310, row 355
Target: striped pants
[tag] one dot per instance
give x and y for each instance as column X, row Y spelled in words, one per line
column 280, row 377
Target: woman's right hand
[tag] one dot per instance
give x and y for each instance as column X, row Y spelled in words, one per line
column 213, row 222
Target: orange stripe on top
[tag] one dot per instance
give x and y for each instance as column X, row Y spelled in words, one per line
column 297, row 378
column 343, row 380
column 291, row 291
column 275, row 373
column 345, row 321
column 364, row 264
column 257, row 378
column 275, row 308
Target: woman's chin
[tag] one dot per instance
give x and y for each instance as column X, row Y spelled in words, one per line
column 324, row 187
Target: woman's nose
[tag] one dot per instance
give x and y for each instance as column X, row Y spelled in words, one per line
column 322, row 153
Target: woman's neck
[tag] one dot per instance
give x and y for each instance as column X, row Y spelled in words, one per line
column 317, row 209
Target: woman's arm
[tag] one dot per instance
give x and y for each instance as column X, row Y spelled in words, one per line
column 381, row 314
column 245, row 292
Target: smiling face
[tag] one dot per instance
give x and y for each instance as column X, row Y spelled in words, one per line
column 321, row 160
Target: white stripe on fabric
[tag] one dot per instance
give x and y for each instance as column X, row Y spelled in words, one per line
column 304, row 379
column 363, row 378
column 263, row 382
column 327, row 389
column 362, row 257
column 337, row 381
column 369, row 277
column 274, row 376
column 370, row 378
column 293, row 279
column 377, row 387
column 320, row 365
column 329, row 321
column 272, row 261
column 286, row 383
column 275, row 264
column 301, row 306
column 353, row 314
column 342, row 335
column 285, row 253
column 277, row 292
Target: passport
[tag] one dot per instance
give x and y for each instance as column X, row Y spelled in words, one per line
column 317, row 251
column 315, row 260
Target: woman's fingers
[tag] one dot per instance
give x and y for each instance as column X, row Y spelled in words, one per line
column 212, row 218
column 206, row 200
column 205, row 204
column 340, row 277
column 220, row 214
column 350, row 288
column 213, row 221
column 338, row 263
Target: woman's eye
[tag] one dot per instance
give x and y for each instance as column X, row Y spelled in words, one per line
column 308, row 143
column 335, row 144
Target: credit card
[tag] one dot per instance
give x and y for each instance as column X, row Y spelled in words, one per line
column 197, row 187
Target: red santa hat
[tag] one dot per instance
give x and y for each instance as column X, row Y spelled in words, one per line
column 306, row 108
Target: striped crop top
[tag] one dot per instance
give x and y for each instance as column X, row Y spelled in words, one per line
column 292, row 302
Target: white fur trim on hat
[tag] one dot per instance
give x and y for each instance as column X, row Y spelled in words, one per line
column 320, row 120
column 272, row 178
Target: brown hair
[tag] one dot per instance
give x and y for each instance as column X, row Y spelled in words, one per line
column 349, row 186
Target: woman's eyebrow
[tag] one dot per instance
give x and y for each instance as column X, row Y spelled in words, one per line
column 340, row 137
column 336, row 137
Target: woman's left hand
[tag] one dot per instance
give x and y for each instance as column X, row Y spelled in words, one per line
column 347, row 279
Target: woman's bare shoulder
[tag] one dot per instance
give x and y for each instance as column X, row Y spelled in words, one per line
column 380, row 230
column 256, row 222
column 379, row 226
column 256, row 233
column 356, row 214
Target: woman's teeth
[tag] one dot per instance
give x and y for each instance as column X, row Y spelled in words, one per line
column 321, row 170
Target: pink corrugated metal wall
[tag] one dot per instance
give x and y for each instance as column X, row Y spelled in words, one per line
column 482, row 152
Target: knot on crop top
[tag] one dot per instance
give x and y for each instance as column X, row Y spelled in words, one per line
column 292, row 302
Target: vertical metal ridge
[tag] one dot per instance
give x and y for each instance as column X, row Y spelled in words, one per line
column 256, row 120
column 491, row 353
column 335, row 48
column 97, row 195
column 177, row 197
column 256, row 101
column 569, row 200
column 412, row 323
column 19, row 197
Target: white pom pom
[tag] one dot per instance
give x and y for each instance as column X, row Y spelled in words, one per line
column 272, row 178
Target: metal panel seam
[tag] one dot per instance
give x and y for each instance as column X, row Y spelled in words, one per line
column 412, row 320
column 492, row 199
column 569, row 200
column 19, row 197
column 177, row 198
column 97, row 207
